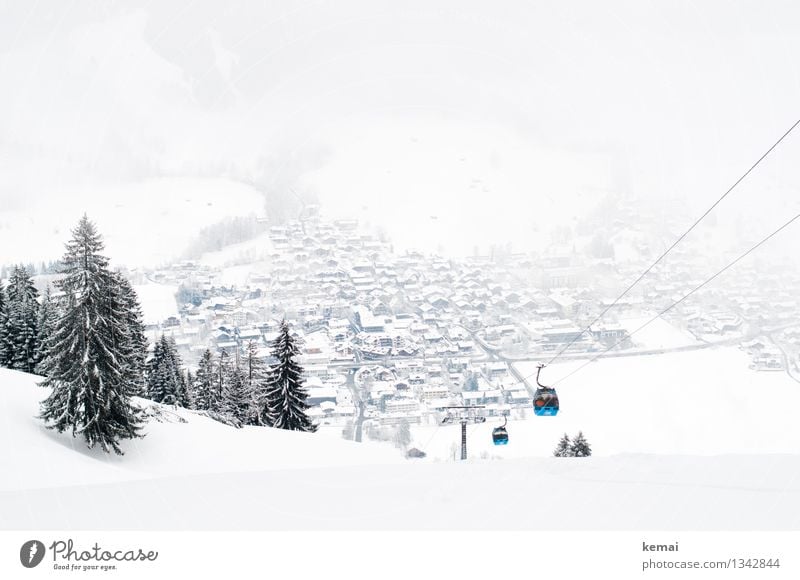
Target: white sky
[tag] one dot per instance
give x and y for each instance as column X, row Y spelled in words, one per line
column 368, row 103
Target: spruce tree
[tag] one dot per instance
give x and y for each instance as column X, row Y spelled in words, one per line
column 580, row 446
column 132, row 339
column 203, row 383
column 256, row 382
column 239, row 401
column 89, row 358
column 564, row 447
column 160, row 386
column 165, row 381
column 2, row 323
column 402, row 435
column 176, row 368
column 186, row 397
column 21, row 319
column 218, row 400
column 48, row 317
column 285, row 401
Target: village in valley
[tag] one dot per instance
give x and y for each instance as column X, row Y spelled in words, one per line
column 389, row 338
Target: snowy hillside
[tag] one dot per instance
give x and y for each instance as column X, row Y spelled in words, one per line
column 145, row 223
column 204, row 475
column 43, row 458
column 703, row 402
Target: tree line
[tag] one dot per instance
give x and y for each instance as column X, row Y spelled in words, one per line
column 577, row 447
column 88, row 342
column 242, row 391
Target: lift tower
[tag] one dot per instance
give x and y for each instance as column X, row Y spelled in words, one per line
column 464, row 415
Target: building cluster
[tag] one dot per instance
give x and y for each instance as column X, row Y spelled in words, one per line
column 394, row 336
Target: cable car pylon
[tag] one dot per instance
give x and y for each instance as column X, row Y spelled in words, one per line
column 464, row 415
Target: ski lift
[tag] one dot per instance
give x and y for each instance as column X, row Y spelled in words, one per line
column 545, row 400
column 500, row 434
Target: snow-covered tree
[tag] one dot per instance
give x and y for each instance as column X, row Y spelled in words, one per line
column 89, row 357
column 165, row 379
column 186, row 399
column 580, row 446
column 471, row 384
column 402, row 435
column 2, row 322
column 21, row 322
column 48, row 317
column 256, row 382
column 133, row 339
column 285, row 401
column 218, row 400
column 181, row 386
column 159, row 386
column 564, row 447
column 239, row 398
column 203, row 384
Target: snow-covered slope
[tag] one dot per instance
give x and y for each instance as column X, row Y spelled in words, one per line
column 182, row 443
column 203, row 475
column 704, row 402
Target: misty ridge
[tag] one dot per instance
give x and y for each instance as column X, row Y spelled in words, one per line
column 499, row 131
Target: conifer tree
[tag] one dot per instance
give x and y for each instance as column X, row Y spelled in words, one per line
column 186, row 398
column 218, row 400
column 203, row 383
column 2, row 322
column 165, row 380
column 564, row 447
column 256, row 382
column 580, row 447
column 178, row 377
column 48, row 317
column 239, row 399
column 132, row 338
column 88, row 358
column 21, row 319
column 285, row 401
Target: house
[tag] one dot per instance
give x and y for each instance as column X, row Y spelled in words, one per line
column 320, row 395
column 566, row 305
column 433, row 392
column 401, row 405
column 493, row 396
column 458, row 364
column 317, row 370
column 605, row 332
column 365, row 320
column 496, row 369
column 472, row 398
column 520, row 397
column 416, row 379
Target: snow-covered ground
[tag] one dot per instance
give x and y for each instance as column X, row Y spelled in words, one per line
column 658, row 334
column 644, row 492
column 43, row 458
column 203, row 475
column 698, row 402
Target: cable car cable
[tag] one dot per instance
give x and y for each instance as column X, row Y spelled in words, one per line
column 674, row 304
column 668, row 250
